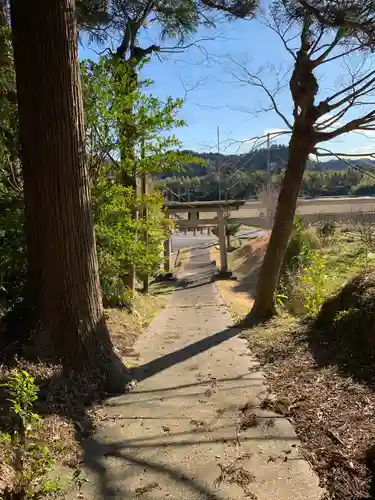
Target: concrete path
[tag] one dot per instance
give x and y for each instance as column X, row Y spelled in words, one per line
column 192, row 429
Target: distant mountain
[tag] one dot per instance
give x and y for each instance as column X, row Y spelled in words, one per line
column 275, row 157
column 343, row 164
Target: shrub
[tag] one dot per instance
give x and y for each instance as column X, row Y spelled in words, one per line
column 326, row 230
column 12, row 250
column 343, row 333
column 12, row 247
column 29, row 458
column 120, row 237
column 298, row 256
column 314, row 284
column 230, row 230
column 299, row 249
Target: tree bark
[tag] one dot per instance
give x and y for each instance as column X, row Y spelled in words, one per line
column 3, row 13
column 63, row 288
column 264, row 305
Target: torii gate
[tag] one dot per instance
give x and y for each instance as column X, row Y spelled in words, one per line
column 197, row 207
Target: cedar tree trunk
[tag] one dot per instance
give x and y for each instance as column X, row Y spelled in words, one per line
column 63, row 282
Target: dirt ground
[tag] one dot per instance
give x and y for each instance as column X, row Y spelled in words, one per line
column 244, row 262
column 331, row 408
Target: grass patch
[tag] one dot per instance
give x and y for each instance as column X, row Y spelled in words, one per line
column 244, row 262
column 341, row 258
column 325, row 270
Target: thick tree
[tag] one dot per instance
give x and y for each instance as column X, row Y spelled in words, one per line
column 328, row 31
column 63, row 290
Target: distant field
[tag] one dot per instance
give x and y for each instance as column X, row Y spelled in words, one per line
column 343, row 210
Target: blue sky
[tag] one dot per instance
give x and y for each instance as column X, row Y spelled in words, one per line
column 206, row 75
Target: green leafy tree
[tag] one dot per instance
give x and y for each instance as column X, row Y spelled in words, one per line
column 120, row 242
column 128, row 20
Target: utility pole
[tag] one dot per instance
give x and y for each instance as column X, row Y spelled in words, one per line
column 268, row 159
column 145, row 212
column 218, row 161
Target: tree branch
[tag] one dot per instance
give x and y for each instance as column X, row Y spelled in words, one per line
column 344, row 155
column 256, row 81
column 281, row 34
column 259, row 140
column 319, row 60
column 355, row 92
column 181, row 48
column 348, row 127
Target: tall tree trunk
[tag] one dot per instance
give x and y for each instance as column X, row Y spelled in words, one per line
column 63, row 281
column 264, row 306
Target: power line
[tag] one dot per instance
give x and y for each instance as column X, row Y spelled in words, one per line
column 218, row 161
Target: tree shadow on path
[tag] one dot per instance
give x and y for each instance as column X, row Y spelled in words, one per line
column 157, row 365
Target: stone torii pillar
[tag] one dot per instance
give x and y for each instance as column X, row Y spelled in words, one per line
column 168, row 254
column 194, row 216
column 222, row 242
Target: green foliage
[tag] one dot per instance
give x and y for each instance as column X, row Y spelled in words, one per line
column 230, row 230
column 30, row 459
column 280, row 299
column 299, row 249
column 119, row 214
column 106, row 21
column 299, row 258
column 345, row 315
column 109, row 105
column 22, row 395
column 8, row 102
column 119, row 235
column 12, row 248
column 314, row 283
column 244, row 175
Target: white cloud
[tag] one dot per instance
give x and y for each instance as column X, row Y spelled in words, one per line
column 275, row 131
